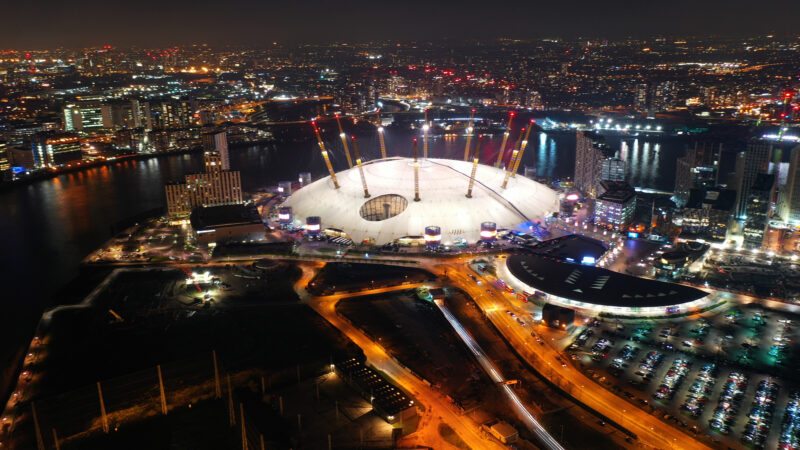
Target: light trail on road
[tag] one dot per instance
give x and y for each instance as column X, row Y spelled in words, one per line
column 495, row 375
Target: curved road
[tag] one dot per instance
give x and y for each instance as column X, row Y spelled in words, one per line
column 650, row 430
column 434, row 403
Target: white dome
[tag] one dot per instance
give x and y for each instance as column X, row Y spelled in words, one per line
column 443, row 187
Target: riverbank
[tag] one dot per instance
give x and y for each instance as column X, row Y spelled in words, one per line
column 82, row 165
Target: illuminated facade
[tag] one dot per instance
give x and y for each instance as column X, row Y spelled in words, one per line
column 85, row 115
column 210, row 188
column 217, row 142
column 589, row 149
column 788, row 207
column 708, row 213
column 698, row 169
column 55, row 149
column 615, row 207
column 612, row 169
column 749, row 164
column 757, row 210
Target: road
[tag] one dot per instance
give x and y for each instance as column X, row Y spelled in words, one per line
column 650, row 430
column 435, row 404
column 519, row 408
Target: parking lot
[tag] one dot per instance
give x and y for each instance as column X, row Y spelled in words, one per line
column 729, row 376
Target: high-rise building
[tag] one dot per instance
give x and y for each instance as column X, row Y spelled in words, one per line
column 654, row 96
column 698, row 169
column 215, row 186
column 758, row 207
column 612, row 169
column 166, row 114
column 217, row 142
column 121, row 114
column 749, row 163
column 641, row 97
column 589, row 151
column 708, row 213
column 788, row 207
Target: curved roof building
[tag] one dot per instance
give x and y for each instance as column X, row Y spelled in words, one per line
column 589, row 288
column 391, row 213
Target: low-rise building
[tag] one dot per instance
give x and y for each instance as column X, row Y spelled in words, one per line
column 502, row 431
column 615, row 206
column 54, row 149
column 389, row 402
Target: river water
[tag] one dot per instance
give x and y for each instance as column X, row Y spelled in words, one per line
column 48, row 226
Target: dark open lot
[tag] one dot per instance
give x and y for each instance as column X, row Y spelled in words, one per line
column 248, row 329
column 338, row 277
column 203, row 427
column 415, row 332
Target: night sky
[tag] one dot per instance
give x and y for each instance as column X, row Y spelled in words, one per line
column 50, row 23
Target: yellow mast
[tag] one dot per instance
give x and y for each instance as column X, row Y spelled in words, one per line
column 425, row 136
column 502, row 151
column 522, row 149
column 380, row 135
column 325, row 155
column 469, row 134
column 416, row 172
column 360, row 167
column 474, row 166
column 513, row 158
column 344, row 142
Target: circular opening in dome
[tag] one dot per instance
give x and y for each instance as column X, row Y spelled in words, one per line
column 383, row 207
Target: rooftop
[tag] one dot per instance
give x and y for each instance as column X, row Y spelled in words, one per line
column 616, row 191
column 719, row 199
column 596, row 285
column 573, row 246
column 224, row 215
column 391, row 213
column 386, row 397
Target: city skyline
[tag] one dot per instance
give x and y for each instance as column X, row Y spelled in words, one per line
column 400, row 225
column 260, row 23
